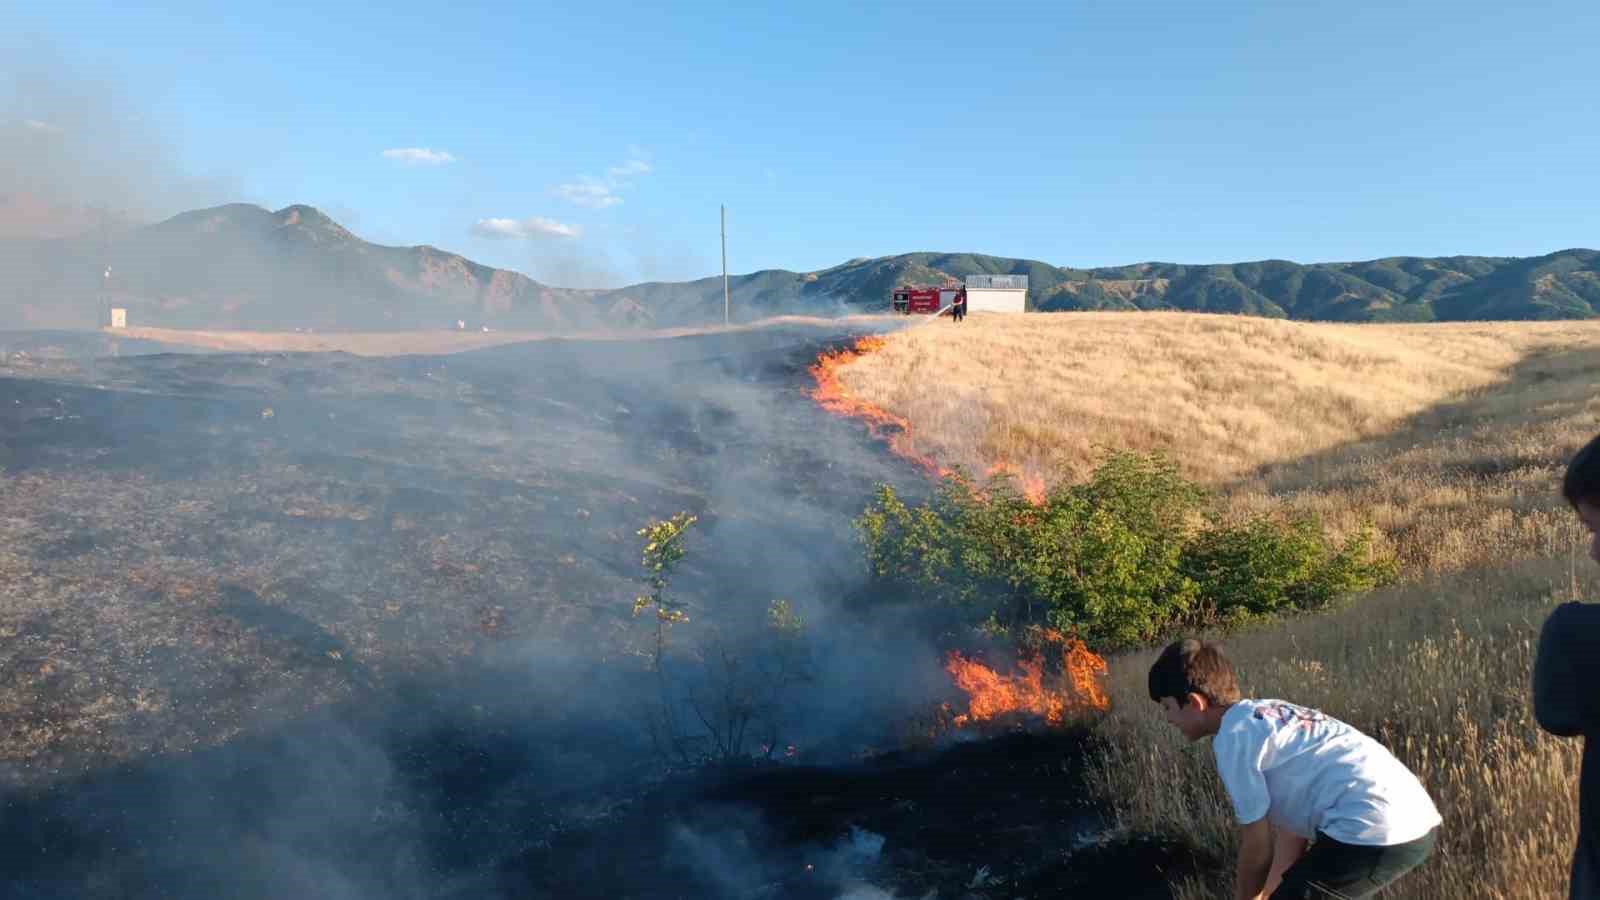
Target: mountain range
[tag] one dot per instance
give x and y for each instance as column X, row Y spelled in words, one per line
column 242, row 266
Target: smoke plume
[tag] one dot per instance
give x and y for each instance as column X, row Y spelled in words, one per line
column 79, row 152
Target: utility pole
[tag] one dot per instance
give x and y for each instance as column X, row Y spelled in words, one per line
column 725, row 320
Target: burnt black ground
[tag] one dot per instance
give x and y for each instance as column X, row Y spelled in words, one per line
column 279, row 624
column 1008, row 806
column 459, row 810
column 217, row 534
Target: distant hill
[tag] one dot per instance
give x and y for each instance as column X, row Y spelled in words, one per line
column 241, row 266
column 1562, row 285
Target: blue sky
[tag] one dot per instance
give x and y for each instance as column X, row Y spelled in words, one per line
column 591, row 145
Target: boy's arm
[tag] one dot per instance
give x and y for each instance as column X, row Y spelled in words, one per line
column 1239, row 751
column 1569, row 644
column 1255, row 860
column 1287, row 848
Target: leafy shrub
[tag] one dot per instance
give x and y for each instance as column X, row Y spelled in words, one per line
column 1120, row 559
column 1265, row 566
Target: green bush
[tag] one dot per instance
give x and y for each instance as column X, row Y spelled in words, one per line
column 1120, row 559
column 1265, row 566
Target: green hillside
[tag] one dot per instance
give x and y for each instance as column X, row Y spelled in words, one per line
column 241, row 266
column 1565, row 284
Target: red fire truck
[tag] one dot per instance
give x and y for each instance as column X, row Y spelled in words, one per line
column 925, row 299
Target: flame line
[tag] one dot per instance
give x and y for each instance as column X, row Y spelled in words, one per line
column 831, row 394
column 1080, row 684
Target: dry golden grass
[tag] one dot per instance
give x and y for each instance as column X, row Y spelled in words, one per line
column 1450, row 438
column 1043, row 391
column 361, row 344
column 1446, row 436
column 1469, row 482
column 400, row 343
column 1437, row 670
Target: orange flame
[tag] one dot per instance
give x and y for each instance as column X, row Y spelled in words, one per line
column 1031, row 485
column 1079, row 686
column 831, row 394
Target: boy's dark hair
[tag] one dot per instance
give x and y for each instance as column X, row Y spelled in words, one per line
column 1194, row 667
column 1582, row 484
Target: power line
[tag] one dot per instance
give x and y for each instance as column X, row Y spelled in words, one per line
column 724, row 210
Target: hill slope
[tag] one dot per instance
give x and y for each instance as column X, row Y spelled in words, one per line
column 1233, row 397
column 246, row 267
column 1561, row 285
column 241, row 266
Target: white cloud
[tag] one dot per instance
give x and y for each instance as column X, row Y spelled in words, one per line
column 629, row 169
column 523, row 229
column 588, row 192
column 601, row 193
column 419, row 156
column 36, row 125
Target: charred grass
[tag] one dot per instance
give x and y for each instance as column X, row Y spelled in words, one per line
column 1002, row 815
column 276, row 624
column 189, row 544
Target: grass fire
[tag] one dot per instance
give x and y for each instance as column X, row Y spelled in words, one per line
column 399, row 502
column 832, row 395
column 411, row 585
column 836, row 397
column 1073, row 686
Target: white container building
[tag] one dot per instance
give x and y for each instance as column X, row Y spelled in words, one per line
column 997, row 293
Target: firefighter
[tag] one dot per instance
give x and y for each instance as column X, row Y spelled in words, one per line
column 958, row 307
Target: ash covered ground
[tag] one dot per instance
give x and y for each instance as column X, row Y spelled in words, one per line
column 308, row 624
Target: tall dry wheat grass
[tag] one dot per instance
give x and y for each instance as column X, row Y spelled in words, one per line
column 1438, row 671
column 1044, row 391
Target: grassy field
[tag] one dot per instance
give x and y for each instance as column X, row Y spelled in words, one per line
column 1450, row 438
column 401, row 343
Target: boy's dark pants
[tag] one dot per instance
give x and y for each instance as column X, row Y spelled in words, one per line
column 1331, row 870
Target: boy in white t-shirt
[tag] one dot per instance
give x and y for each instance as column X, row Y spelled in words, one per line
column 1297, row 777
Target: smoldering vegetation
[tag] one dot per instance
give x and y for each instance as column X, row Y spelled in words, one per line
column 377, row 516
column 285, row 624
